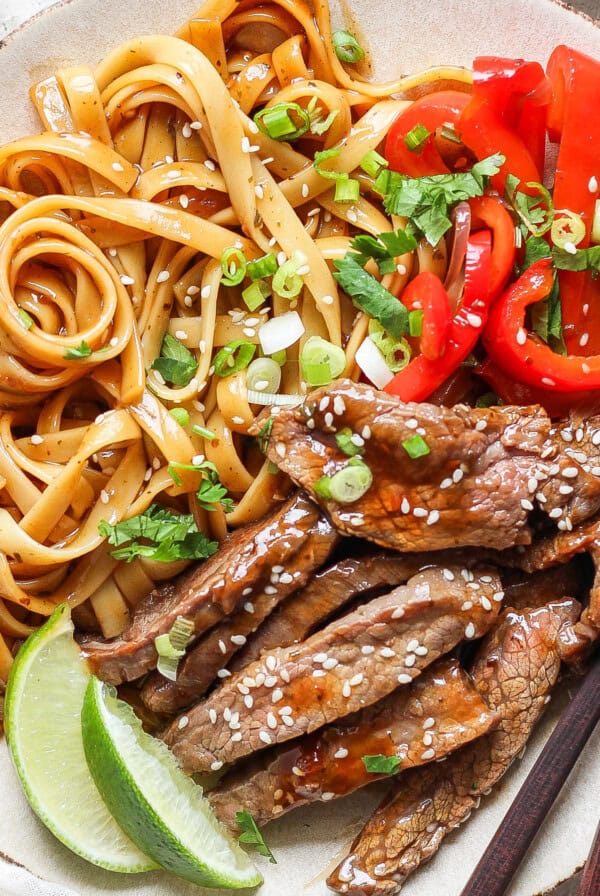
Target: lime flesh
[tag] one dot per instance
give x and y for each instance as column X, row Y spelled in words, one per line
column 161, row 809
column 43, row 704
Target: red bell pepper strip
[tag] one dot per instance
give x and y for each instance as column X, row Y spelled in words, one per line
column 572, row 119
column 422, row 376
column 427, row 292
column 557, row 404
column 524, row 357
column 507, row 115
column 433, row 111
column 488, row 212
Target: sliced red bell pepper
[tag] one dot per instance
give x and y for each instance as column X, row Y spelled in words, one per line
column 557, row 404
column 507, row 115
column 488, row 212
column 422, row 376
column 432, row 111
column 523, row 356
column 427, row 292
column 572, row 119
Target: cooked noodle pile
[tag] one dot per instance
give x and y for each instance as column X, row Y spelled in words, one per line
column 115, row 222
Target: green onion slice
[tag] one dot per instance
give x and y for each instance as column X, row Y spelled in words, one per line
column 263, row 375
column 321, row 361
column 347, row 48
column 256, row 294
column 262, row 267
column 416, row 446
column 415, row 323
column 347, row 189
column 351, row 483
column 416, row 137
column 344, row 442
column 233, row 265
column 287, row 282
column 203, row 432
column 181, row 415
column 283, row 121
column 568, row 230
column 233, row 357
column 372, row 163
column 25, row 318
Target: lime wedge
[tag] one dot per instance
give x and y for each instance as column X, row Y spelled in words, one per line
column 160, row 808
column 43, row 704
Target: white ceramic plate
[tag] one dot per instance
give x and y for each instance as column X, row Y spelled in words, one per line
column 402, row 36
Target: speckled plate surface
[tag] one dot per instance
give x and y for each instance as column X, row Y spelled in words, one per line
column 402, row 37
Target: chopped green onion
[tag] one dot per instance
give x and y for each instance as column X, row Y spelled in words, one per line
column 75, row 354
column 256, row 294
column 415, row 323
column 233, row 357
column 181, row 415
column 262, row 267
column 283, row 121
column 318, row 124
column 382, row 182
column 416, row 446
column 26, row 319
column 536, row 212
column 416, row 137
column 568, row 230
column 203, row 432
column 264, row 375
column 448, row 132
column 321, row 361
column 287, row 282
column 280, row 357
column 322, row 156
column 264, row 436
column 322, row 487
column 372, row 163
column 347, row 189
column 344, row 442
column 347, row 48
column 233, row 265
column 397, row 352
column 172, row 646
column 351, row 483
column 379, row 764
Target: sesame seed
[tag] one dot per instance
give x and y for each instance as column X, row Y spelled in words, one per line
column 410, row 660
column 427, row 739
column 216, row 765
column 212, row 715
column 104, row 496
column 286, row 578
column 259, row 191
column 270, row 589
column 272, row 721
column 236, row 738
column 222, row 646
column 265, row 737
column 570, row 472
column 277, row 695
column 248, row 701
column 330, row 663
column 297, row 771
column 183, row 722
column 242, row 688
column 327, row 300
column 270, row 681
column 398, row 613
column 378, row 870
column 593, row 184
column 305, row 190
column 162, row 277
column 346, row 689
column 445, row 483
column 405, row 506
column 420, row 512
column 387, row 652
column 366, row 649
column 205, row 291
column 340, row 753
column 327, row 796
column 498, row 596
column 404, row 678
column 526, row 505
column 565, row 489
column 227, row 714
column 126, row 281
column 249, row 607
column 433, row 517
column 412, row 645
column 356, row 680
column 319, row 673
column 271, row 663
column 486, row 604
column 249, row 332
column 583, row 340
column 285, row 676
column 287, row 720
column 457, row 475
column 474, row 319
column 547, row 381
column 260, row 679
column 36, row 439
column 468, row 605
column 328, row 419
column 448, row 575
column 470, row 630
column 339, row 407
column 428, row 754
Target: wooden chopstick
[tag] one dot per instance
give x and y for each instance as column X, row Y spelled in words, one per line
column 590, row 881
column 521, row 823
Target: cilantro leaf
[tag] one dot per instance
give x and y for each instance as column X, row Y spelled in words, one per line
column 383, row 248
column 251, row 835
column 211, row 491
column 580, row 260
column 158, row 534
column 545, row 317
column 379, row 764
column 176, row 364
column 426, row 201
column 369, row 295
column 82, row 351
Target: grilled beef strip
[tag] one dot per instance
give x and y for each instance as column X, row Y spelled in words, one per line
column 514, row 671
column 353, row 662
column 439, row 712
column 332, row 588
column 292, row 620
column 476, row 485
column 296, row 532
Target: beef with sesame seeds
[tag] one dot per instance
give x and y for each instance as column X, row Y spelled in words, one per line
column 329, row 676
column 331, row 589
column 441, row 477
column 212, row 653
column 515, row 670
column 439, row 712
column 209, row 591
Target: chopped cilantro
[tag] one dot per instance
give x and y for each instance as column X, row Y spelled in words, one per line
column 383, row 248
column 82, row 351
column 369, row 295
column 157, row 534
column 379, row 764
column 176, row 364
column 251, row 835
column 211, row 491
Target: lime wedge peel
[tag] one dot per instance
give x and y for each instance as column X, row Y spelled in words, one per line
column 44, row 696
column 160, row 808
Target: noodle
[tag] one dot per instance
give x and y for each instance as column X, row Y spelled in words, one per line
column 115, row 220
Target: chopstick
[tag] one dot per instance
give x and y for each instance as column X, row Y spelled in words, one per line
column 521, row 823
column 590, row 880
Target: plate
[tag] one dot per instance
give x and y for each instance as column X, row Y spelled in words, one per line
column 402, row 37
